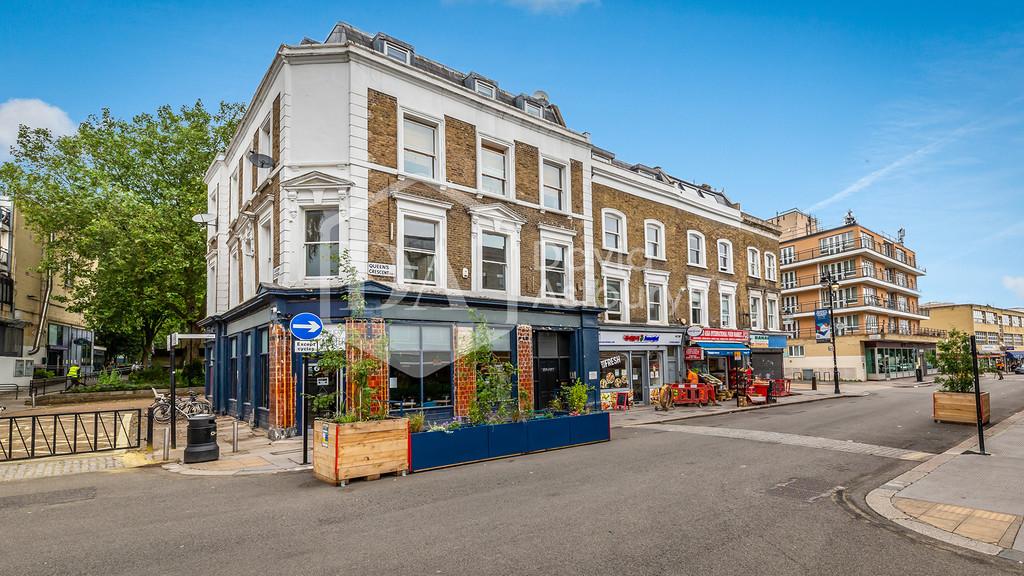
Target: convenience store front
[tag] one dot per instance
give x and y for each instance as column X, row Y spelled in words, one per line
column 634, row 362
column 720, row 352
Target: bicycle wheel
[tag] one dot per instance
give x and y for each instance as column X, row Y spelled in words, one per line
column 161, row 413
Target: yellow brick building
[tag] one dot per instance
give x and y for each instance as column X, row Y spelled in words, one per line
column 877, row 320
column 999, row 331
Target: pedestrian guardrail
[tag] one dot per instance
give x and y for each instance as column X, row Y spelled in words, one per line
column 39, row 436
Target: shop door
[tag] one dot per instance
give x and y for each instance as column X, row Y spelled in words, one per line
column 552, row 360
column 638, row 375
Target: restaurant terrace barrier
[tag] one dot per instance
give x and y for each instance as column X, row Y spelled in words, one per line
column 475, row 443
column 38, row 436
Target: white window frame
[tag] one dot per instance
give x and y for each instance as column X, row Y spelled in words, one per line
column 789, row 280
column 772, row 321
column 703, row 285
column 212, row 284
column 511, row 230
column 759, row 308
column 727, row 290
column 657, row 278
column 787, row 255
column 731, row 267
column 233, row 276
column 623, row 248
column 266, row 252
column 563, row 238
column 796, row 351
column 771, row 272
column 703, row 262
column 439, row 157
column 388, row 46
column 489, row 90
column 566, row 187
column 621, row 274
column 484, row 141
column 659, row 253
column 424, row 209
column 265, row 146
column 533, row 109
column 302, row 238
column 753, row 262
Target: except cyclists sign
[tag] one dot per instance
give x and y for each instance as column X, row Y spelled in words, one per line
column 306, row 326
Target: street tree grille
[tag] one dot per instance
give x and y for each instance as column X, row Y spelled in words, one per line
column 24, row 437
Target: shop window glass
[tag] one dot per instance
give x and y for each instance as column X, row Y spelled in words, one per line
column 614, row 370
column 420, row 366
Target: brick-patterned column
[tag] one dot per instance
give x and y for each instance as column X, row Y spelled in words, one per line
column 524, row 356
column 465, row 371
column 367, row 339
column 281, row 419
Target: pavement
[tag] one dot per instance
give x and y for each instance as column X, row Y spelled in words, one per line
column 964, row 498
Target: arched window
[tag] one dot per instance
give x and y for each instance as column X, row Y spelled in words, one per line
column 613, row 226
column 725, row 256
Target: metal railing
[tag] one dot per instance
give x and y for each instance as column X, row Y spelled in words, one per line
column 39, row 436
column 854, row 302
column 871, row 330
column 861, row 272
column 850, row 245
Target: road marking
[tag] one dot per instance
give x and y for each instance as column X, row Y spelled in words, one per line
column 796, row 440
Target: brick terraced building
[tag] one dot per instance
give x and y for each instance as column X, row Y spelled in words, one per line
column 448, row 196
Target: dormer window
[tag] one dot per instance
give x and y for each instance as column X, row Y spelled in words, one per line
column 485, row 89
column 533, row 109
column 396, row 52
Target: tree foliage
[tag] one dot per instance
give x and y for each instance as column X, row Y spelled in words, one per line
column 955, row 362
column 113, row 204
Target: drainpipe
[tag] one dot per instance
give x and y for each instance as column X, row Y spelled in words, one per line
column 42, row 314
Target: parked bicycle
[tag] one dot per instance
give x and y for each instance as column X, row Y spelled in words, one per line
column 190, row 406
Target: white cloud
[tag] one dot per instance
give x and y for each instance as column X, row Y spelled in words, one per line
column 31, row 112
column 1014, row 284
column 549, row 6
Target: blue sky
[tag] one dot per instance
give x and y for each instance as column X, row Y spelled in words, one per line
column 910, row 113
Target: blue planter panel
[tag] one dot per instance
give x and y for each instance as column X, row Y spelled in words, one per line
column 548, row 433
column 507, row 439
column 590, row 428
column 433, row 449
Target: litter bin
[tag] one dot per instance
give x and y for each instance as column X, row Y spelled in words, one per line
column 919, row 375
column 202, row 439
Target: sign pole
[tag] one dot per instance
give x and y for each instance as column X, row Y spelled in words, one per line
column 977, row 397
column 174, row 395
column 305, row 415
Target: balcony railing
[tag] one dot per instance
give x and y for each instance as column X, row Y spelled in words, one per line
column 872, row 330
column 863, row 272
column 850, row 245
column 843, row 303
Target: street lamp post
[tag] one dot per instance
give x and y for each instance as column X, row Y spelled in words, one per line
column 830, row 283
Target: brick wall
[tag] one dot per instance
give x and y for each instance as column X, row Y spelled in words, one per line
column 367, row 339
column 382, row 128
column 527, row 173
column 677, row 223
column 281, row 380
column 524, row 357
column 460, row 152
column 465, row 371
column 383, row 213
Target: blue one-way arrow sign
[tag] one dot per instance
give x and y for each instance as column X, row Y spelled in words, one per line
column 306, row 326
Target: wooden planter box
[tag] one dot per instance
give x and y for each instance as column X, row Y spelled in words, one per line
column 958, row 407
column 342, row 452
column 476, row 443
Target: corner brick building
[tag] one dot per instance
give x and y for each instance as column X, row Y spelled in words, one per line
column 449, row 198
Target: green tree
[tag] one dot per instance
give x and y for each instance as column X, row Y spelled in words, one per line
column 955, row 362
column 113, row 205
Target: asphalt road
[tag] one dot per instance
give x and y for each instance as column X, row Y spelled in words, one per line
column 649, row 502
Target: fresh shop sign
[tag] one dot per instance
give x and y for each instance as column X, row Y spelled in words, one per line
column 608, row 338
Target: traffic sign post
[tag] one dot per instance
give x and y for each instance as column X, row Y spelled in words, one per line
column 306, row 327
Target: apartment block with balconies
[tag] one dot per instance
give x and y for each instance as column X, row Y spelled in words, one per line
column 999, row 332
column 873, row 280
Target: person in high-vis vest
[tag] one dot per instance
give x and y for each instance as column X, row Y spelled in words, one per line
column 73, row 373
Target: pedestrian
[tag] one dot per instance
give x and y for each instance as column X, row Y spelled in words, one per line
column 74, row 372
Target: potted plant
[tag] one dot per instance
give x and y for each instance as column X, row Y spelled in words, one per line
column 955, row 401
column 360, row 440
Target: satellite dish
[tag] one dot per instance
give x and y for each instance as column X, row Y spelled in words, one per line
column 260, row 160
column 208, row 219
